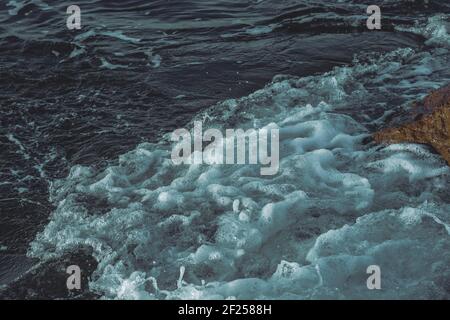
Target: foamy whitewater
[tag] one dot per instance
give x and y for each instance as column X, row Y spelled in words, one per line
column 338, row 204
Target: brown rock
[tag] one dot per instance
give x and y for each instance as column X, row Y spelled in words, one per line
column 432, row 127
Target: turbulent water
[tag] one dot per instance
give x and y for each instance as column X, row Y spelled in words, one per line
column 86, row 118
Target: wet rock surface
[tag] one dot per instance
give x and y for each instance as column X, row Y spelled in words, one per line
column 431, row 125
column 47, row 280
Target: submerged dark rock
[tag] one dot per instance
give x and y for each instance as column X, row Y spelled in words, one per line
column 431, row 125
column 47, row 280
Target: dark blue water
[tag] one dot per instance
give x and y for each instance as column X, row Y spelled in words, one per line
column 140, row 69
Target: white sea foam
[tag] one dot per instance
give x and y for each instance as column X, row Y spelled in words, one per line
column 336, row 206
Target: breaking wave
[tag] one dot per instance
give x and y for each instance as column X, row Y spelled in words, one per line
column 338, row 204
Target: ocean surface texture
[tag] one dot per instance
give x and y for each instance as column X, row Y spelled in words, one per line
column 86, row 176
